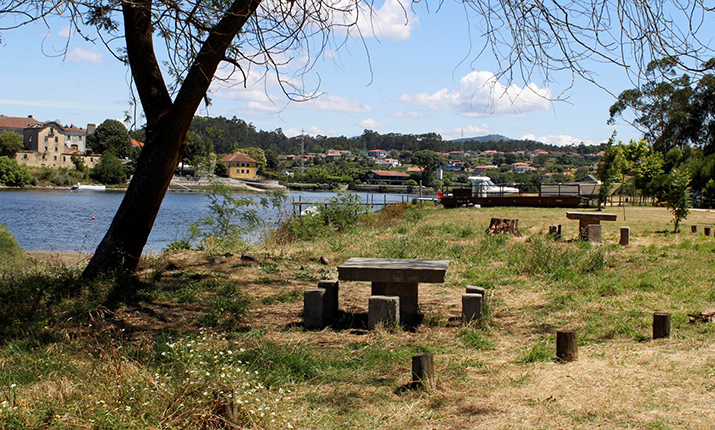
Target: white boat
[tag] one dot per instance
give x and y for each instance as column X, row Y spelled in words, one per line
column 79, row 187
column 482, row 186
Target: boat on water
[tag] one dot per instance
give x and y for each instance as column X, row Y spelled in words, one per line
column 79, row 187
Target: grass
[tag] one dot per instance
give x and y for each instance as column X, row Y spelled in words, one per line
column 187, row 337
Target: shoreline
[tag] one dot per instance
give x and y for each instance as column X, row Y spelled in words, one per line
column 67, row 258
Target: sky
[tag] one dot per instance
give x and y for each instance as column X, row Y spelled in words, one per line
column 411, row 72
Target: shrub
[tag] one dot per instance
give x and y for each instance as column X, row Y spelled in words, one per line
column 13, row 174
column 11, row 255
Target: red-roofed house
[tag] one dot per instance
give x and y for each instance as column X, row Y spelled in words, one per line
column 240, row 166
column 388, row 177
column 17, row 124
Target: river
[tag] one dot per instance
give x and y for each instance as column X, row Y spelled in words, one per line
column 64, row 221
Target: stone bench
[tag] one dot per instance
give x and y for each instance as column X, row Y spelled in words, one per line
column 395, row 277
column 320, row 305
column 587, row 219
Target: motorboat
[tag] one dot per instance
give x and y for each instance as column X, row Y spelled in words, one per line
column 483, row 186
column 79, row 187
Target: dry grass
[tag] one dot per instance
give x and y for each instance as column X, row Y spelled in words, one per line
column 622, row 379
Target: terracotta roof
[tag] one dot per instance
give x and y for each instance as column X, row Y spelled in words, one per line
column 238, row 157
column 13, row 122
column 137, row 143
column 391, row 173
column 415, row 169
column 74, row 129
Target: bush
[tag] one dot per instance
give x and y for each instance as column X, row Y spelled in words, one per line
column 339, row 213
column 11, row 255
column 13, row 174
column 109, row 170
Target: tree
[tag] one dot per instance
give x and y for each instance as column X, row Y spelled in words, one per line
column 111, row 136
column 610, row 170
column 13, row 174
column 527, row 39
column 198, row 151
column 10, row 143
column 255, row 153
column 430, row 161
column 678, row 196
column 672, row 112
column 109, row 170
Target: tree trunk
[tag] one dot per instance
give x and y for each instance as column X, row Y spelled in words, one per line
column 503, row 225
column 166, row 131
column 122, row 245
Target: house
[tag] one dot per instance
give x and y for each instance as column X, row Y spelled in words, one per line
column 75, row 138
column 377, row 153
column 538, row 152
column 387, row 177
column 45, row 137
column 16, row 124
column 520, row 167
column 482, row 170
column 56, row 160
column 240, row 166
column 388, row 162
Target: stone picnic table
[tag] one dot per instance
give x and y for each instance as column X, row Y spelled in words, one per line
column 589, row 218
column 395, row 277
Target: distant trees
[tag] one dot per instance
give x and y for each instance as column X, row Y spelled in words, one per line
column 112, row 136
column 672, row 112
column 109, row 170
column 13, row 174
column 10, row 144
column 430, row 161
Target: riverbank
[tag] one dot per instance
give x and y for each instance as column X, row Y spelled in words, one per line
column 201, row 338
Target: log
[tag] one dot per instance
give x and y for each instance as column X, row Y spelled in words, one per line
column 422, row 369
column 661, row 325
column 566, row 345
column 504, row 225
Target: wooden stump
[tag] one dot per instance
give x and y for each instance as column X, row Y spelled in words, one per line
column 661, row 325
column 504, row 225
column 422, row 369
column 566, row 345
column 694, row 228
column 707, row 231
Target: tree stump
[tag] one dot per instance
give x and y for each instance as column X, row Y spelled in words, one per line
column 566, row 345
column 422, row 369
column 694, row 228
column 504, row 225
column 661, row 325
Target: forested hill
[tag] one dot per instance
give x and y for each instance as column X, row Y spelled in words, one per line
column 226, row 135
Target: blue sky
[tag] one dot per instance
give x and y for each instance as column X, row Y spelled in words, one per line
column 408, row 77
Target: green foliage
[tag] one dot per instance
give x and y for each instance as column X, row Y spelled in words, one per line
column 109, row 170
column 11, row 255
column 230, row 217
column 256, row 153
column 430, row 161
column 339, row 213
column 197, row 150
column 281, row 365
column 13, row 174
column 10, row 143
column 538, row 352
column 679, row 196
column 112, row 136
column 226, row 308
column 472, row 339
column 610, row 169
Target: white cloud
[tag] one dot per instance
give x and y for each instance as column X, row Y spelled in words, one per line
column 65, row 32
column 393, row 21
column 371, row 124
column 468, row 131
column 405, row 115
column 312, row 131
column 558, row 140
column 481, row 94
column 80, row 55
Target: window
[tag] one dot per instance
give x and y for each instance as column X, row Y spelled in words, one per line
column 56, row 139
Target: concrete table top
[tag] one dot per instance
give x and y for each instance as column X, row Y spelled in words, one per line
column 591, row 216
column 399, row 270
